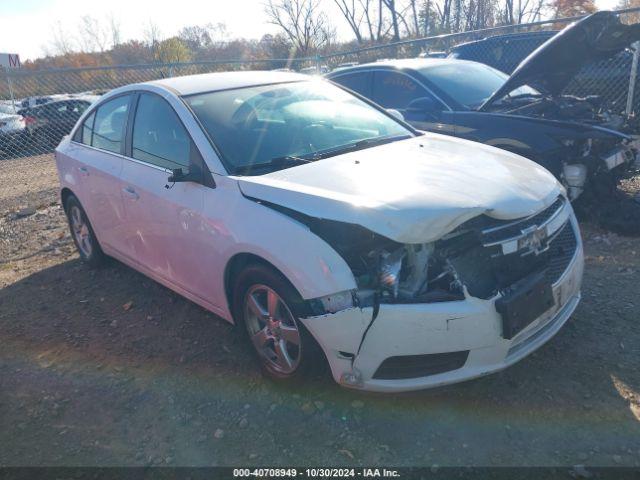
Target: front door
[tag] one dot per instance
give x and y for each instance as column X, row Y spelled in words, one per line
column 165, row 232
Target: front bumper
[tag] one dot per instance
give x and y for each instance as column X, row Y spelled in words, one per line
column 471, row 325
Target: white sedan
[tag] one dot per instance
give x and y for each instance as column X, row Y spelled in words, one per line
column 329, row 230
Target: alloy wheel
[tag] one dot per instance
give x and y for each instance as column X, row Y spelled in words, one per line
column 272, row 329
column 80, row 230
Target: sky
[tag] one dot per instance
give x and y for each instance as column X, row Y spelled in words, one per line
column 26, row 25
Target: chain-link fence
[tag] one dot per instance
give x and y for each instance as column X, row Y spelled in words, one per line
column 38, row 108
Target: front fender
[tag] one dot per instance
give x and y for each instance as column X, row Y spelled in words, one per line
column 308, row 262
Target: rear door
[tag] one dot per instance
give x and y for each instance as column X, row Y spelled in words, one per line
column 359, row 82
column 97, row 148
column 165, row 232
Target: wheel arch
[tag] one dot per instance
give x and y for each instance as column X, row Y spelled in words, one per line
column 239, row 262
column 65, row 193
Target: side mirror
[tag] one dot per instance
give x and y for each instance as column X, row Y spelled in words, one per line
column 396, row 114
column 178, row 175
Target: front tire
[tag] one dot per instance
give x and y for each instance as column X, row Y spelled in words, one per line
column 267, row 308
column 82, row 233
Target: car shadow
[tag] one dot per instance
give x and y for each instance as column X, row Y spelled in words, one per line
column 137, row 360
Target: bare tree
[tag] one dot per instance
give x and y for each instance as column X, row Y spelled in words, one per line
column 114, row 29
column 152, row 38
column 203, row 36
column 152, row 33
column 62, row 43
column 349, row 10
column 302, row 21
column 92, row 34
column 373, row 17
column 416, row 19
column 391, row 6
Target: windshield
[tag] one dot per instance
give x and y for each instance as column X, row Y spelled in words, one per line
column 469, row 83
column 265, row 128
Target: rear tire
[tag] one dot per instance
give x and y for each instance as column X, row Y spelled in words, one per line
column 267, row 309
column 82, row 233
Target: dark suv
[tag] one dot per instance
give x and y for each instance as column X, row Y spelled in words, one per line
column 504, row 52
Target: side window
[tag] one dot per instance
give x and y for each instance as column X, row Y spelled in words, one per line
column 86, row 132
column 159, row 137
column 359, row 82
column 109, row 124
column 396, row 90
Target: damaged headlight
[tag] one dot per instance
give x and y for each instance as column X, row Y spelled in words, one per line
column 390, row 265
column 416, row 273
column 337, row 301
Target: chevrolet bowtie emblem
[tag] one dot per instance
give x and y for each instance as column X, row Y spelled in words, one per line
column 534, row 240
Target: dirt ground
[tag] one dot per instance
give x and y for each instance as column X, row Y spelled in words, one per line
column 106, row 367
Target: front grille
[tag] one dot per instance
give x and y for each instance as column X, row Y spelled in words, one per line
column 561, row 250
column 485, row 271
column 416, row 366
column 498, row 230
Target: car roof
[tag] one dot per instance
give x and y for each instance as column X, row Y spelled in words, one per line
column 401, row 64
column 210, row 82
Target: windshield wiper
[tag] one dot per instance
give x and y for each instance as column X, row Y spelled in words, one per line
column 276, row 163
column 359, row 145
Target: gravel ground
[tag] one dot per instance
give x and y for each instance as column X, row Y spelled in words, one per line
column 106, row 367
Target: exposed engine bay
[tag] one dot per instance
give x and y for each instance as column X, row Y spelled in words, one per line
column 587, row 110
column 481, row 258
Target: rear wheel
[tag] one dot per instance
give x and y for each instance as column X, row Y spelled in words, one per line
column 82, row 233
column 268, row 309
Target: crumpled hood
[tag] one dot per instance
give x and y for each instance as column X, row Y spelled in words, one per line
column 553, row 64
column 411, row 191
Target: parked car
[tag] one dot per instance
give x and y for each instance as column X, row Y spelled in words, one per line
column 324, row 227
column 30, row 102
column 8, row 108
column 504, row 52
column 582, row 144
column 12, row 129
column 608, row 78
column 48, row 123
column 433, row 54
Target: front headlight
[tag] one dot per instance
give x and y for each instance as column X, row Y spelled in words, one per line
column 390, row 266
column 337, row 301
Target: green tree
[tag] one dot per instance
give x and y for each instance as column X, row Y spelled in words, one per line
column 173, row 50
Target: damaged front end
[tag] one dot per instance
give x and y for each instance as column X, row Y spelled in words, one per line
column 467, row 278
column 480, row 258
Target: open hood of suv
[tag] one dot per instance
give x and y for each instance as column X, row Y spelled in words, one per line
column 553, row 64
column 411, row 191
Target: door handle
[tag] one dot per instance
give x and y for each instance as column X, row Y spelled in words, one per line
column 131, row 193
column 84, row 171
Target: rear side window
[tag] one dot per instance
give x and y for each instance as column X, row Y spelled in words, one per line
column 87, row 129
column 109, row 124
column 396, row 90
column 359, row 82
column 159, row 137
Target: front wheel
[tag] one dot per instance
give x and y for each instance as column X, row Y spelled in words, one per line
column 268, row 308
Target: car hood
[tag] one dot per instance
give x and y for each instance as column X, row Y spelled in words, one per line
column 411, row 191
column 553, row 64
